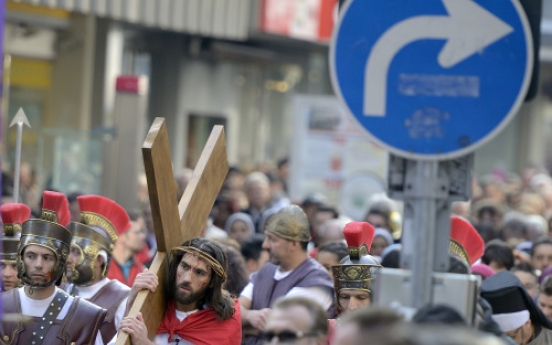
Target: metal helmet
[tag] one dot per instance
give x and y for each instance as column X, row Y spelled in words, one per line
column 290, row 223
column 48, row 232
column 103, row 220
column 465, row 241
column 357, row 270
column 13, row 215
column 8, row 254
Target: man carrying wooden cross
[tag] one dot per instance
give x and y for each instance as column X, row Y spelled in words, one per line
column 199, row 311
column 174, row 225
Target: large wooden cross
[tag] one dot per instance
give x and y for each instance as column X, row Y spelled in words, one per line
column 175, row 223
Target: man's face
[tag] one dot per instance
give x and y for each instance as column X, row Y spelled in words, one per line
column 350, row 299
column 39, row 264
column 193, row 276
column 74, row 258
column 542, row 256
column 239, row 231
column 284, row 324
column 378, row 245
column 529, row 281
column 9, row 275
column 545, row 304
column 377, row 220
column 135, row 237
column 276, row 247
column 258, row 194
column 523, row 334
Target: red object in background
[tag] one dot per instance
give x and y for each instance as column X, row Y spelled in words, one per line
column 305, row 19
column 130, row 84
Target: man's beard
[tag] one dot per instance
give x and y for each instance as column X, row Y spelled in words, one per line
column 274, row 259
column 192, row 296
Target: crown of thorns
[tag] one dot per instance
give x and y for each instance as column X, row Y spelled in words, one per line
column 215, row 265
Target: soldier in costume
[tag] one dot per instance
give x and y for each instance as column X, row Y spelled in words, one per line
column 102, row 220
column 13, row 215
column 52, row 316
column 354, row 274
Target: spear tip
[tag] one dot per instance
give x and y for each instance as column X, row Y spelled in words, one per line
column 20, row 118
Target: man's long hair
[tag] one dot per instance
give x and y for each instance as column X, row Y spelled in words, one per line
column 214, row 297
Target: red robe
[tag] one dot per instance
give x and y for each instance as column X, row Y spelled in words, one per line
column 203, row 327
column 115, row 272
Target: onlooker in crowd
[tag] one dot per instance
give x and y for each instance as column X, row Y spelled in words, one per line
column 439, row 314
column 296, row 320
column 487, row 211
column 526, row 274
column 257, row 190
column 323, row 213
column 544, row 299
column 237, row 277
column 330, row 231
column 290, row 272
column 541, row 253
column 498, row 256
column 222, row 209
column 239, row 226
column 330, row 254
column 515, row 311
column 254, row 254
column 382, row 239
column 124, row 265
column 514, row 230
column 361, row 325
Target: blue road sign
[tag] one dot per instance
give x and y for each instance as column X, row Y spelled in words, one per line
column 432, row 79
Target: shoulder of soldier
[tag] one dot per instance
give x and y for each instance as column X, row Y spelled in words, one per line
column 84, row 308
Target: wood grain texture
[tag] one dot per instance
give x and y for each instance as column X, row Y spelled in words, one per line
column 174, row 223
column 204, row 186
column 161, row 186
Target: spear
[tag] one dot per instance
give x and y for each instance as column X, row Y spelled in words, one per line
column 20, row 119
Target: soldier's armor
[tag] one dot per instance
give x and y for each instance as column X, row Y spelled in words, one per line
column 79, row 326
column 110, row 297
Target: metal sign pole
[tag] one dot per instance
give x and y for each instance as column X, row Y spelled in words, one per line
column 427, row 189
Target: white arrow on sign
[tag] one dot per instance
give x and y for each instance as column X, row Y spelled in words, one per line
column 468, row 29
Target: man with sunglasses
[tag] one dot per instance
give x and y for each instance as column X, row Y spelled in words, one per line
column 296, row 320
column 515, row 311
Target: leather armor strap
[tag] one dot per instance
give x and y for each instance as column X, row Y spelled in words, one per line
column 48, row 318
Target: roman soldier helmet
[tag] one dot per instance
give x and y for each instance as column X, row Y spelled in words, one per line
column 48, row 232
column 13, row 215
column 102, row 221
column 465, row 241
column 357, row 270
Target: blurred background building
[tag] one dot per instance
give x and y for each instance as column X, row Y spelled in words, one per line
column 239, row 63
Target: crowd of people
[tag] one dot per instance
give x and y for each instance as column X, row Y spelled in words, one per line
column 269, row 270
